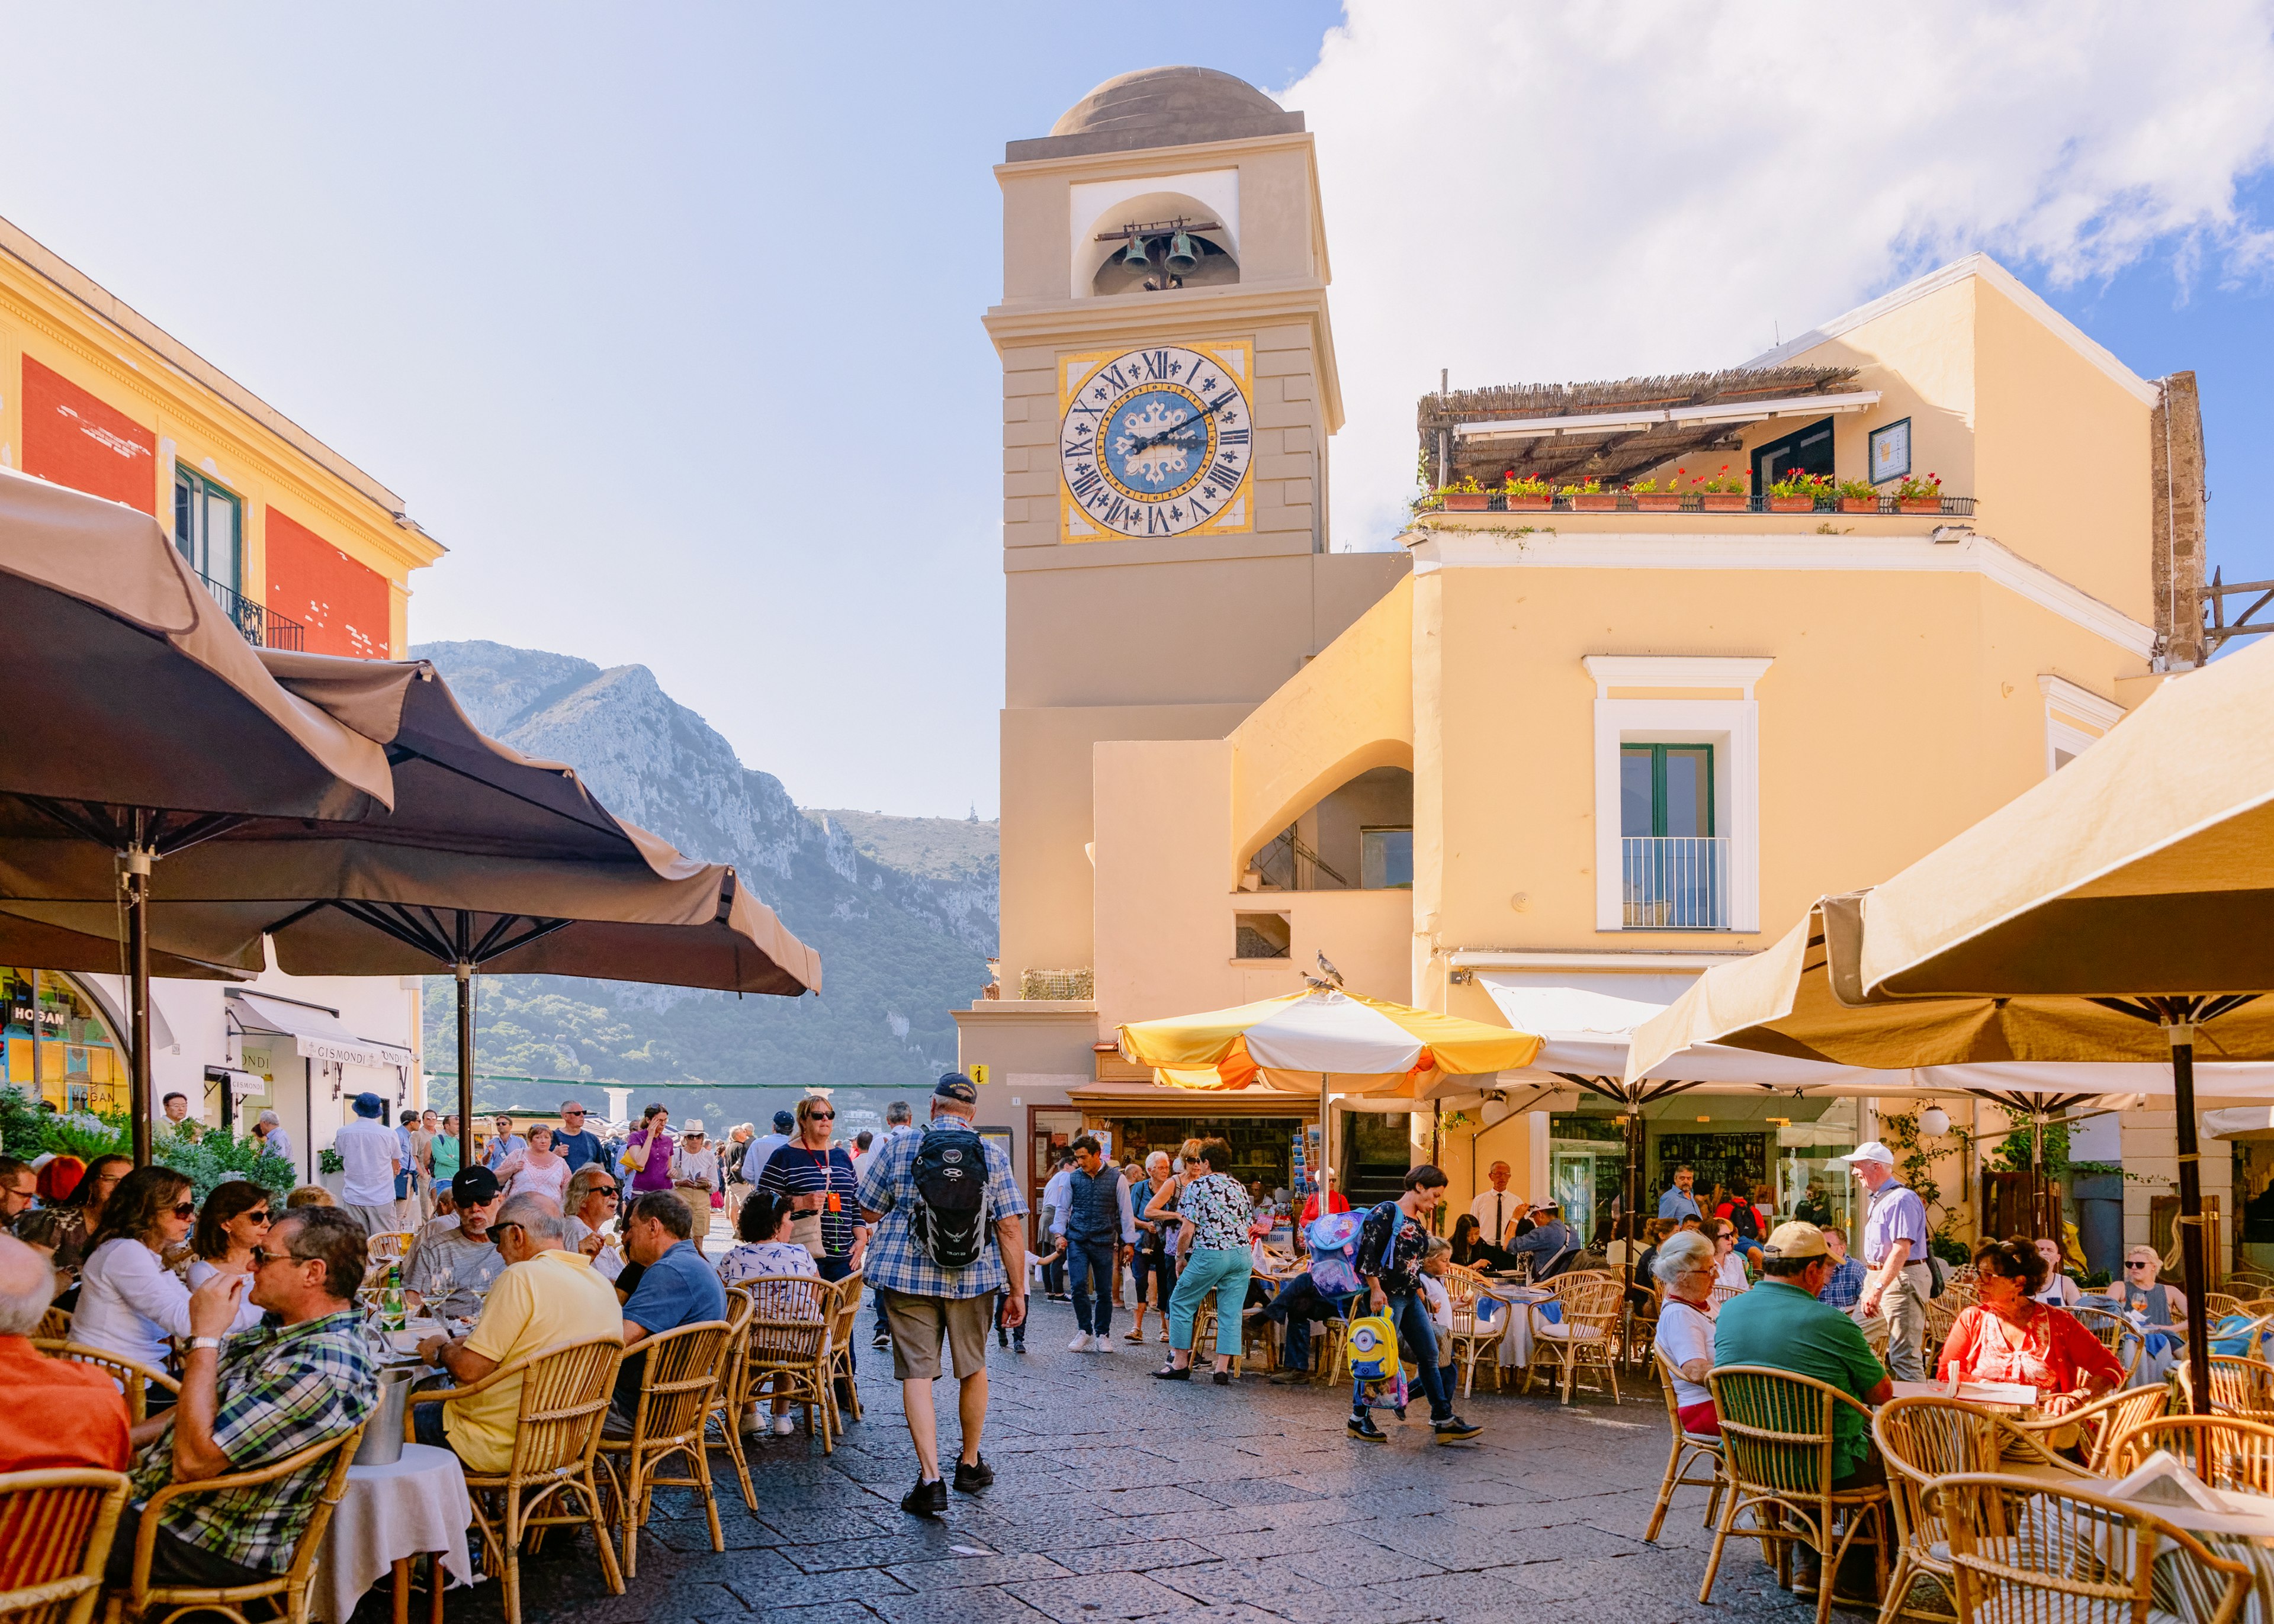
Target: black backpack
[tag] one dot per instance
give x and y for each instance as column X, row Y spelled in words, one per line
column 950, row 1218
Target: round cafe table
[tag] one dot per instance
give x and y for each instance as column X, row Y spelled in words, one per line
column 389, row 1515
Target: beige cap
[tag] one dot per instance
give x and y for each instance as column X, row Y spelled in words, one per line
column 1795, row 1240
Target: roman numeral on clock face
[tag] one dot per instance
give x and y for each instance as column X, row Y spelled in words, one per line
column 1233, row 437
column 1086, row 483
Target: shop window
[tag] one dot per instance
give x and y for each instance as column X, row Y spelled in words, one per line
column 208, row 527
column 1386, row 858
column 1261, row 936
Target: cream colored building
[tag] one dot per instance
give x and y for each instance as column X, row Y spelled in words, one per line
column 1594, row 748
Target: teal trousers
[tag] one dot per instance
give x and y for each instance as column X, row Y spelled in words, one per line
column 1223, row 1273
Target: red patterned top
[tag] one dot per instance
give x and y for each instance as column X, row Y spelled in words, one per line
column 2049, row 1349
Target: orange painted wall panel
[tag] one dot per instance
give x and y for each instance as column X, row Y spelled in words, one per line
column 343, row 604
column 72, row 438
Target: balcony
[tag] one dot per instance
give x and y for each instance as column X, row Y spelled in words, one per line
column 1727, row 507
column 263, row 628
column 1674, row 883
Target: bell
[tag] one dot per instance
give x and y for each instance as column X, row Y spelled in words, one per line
column 1183, row 253
column 1135, row 255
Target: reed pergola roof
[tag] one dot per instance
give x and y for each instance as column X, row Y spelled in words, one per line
column 1613, row 454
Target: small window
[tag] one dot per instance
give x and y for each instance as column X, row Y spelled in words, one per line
column 1261, row 936
column 1385, row 858
column 1666, row 791
column 208, row 527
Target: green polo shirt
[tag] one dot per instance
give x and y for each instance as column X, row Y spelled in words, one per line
column 1785, row 1328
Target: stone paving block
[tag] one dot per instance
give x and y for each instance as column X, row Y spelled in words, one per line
column 1137, row 1557
column 1260, row 1582
column 1254, row 1491
column 799, row 1589
column 828, row 1612
column 1354, row 1562
column 949, row 1573
column 1107, row 1597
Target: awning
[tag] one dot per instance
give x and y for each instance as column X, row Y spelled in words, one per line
column 317, row 1034
column 2241, row 1122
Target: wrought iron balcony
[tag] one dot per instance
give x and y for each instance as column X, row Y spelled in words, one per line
column 263, row 628
column 1621, row 502
column 1674, row 883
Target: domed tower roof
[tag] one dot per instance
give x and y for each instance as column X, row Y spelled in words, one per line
column 1160, row 107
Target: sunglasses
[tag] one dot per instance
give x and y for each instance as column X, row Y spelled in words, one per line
column 259, row 1217
column 821, row 1116
column 2136, row 1266
column 185, row 1209
column 262, row 1257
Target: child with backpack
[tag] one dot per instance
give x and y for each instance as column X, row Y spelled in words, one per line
column 1391, row 1246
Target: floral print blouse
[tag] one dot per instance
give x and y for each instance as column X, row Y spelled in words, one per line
column 1215, row 1209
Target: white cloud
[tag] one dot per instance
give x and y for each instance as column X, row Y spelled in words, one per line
column 1546, row 192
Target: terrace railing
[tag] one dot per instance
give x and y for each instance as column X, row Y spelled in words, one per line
column 1674, row 882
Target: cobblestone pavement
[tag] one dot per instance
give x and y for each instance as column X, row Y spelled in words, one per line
column 1119, row 1497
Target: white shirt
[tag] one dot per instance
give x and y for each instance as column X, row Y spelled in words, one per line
column 1685, row 1335
column 608, row 1262
column 368, row 1153
column 1494, row 1210
column 130, row 1303
column 761, row 1150
column 1730, row 1271
column 1057, row 1193
column 1441, row 1306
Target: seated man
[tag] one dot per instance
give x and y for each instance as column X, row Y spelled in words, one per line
column 1550, row 1245
column 547, row 1295
column 253, row 1399
column 1844, row 1288
column 59, row 1413
column 1780, row 1324
column 677, row 1285
column 593, row 1194
column 450, row 1270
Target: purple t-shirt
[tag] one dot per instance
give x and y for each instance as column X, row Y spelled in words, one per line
column 657, row 1174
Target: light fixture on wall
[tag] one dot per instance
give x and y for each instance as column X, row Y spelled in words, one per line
column 1705, row 1119
column 1935, row 1121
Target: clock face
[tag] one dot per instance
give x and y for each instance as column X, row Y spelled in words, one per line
column 1156, row 442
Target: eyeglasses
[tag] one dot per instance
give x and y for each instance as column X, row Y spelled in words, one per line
column 185, row 1209
column 496, row 1229
column 610, row 1192
column 259, row 1217
column 821, row 1116
column 262, row 1257
column 2131, row 1265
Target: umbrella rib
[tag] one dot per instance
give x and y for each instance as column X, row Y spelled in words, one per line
column 1596, row 1085
column 409, row 754
column 392, row 920
column 539, row 929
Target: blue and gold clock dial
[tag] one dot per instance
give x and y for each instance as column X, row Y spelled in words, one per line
column 1156, row 442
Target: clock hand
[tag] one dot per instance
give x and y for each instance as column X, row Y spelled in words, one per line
column 1229, row 396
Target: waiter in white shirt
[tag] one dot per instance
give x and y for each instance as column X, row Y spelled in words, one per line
column 1497, row 1209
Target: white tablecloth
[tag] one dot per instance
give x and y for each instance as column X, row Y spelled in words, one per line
column 417, row 1504
column 1516, row 1341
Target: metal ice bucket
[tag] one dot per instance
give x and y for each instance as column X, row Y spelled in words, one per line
column 382, row 1435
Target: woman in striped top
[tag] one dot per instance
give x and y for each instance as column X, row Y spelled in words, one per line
column 817, row 1179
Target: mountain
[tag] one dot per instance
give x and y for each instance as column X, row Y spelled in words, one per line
column 903, row 910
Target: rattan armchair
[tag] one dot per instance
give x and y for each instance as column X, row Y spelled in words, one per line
column 129, row 1375
column 1585, row 1335
column 556, row 1429
column 287, row 1595
column 1778, row 1444
column 728, row 1405
column 844, row 1328
column 1689, row 1448
column 2103, row 1420
column 2053, row 1554
column 2226, row 1452
column 56, row 1529
column 677, row 1385
column 1471, row 1342
column 786, row 1353
column 2113, row 1331
column 54, row 1325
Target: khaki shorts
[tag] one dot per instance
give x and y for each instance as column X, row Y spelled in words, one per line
column 917, row 1323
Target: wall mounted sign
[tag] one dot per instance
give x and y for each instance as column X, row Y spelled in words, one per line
column 1891, row 452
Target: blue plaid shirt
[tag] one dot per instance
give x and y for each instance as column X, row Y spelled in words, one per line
column 1844, row 1288
column 894, row 1261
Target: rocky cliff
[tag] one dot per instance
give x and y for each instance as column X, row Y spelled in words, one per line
column 900, row 945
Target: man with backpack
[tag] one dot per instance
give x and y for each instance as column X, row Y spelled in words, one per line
column 1389, row 1249
column 948, row 1237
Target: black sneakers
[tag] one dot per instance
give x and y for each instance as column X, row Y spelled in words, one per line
column 1453, row 1430
column 927, row 1500
column 971, row 1478
column 1363, row 1426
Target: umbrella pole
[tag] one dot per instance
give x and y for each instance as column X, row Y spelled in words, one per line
column 1326, row 1144
column 134, row 877
column 2194, row 1260
column 466, row 974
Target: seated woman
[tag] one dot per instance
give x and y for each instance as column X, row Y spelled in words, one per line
column 2007, row 1336
column 1684, row 1268
column 2060, row 1290
column 1728, row 1262
column 1471, row 1250
column 130, row 1303
column 767, row 1254
column 2161, row 1303
column 1640, row 1291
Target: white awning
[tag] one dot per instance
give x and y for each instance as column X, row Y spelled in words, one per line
column 317, row 1034
column 1629, row 422
column 2241, row 1122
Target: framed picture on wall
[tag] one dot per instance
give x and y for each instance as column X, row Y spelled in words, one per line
column 1891, row 451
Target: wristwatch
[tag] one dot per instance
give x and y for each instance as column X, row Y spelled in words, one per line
column 206, row 1341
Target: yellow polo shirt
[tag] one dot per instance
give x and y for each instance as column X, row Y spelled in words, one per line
column 553, row 1298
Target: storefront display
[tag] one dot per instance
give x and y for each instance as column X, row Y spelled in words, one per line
column 59, row 1044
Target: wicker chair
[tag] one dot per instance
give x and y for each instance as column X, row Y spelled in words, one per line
column 2218, row 1304
column 56, row 1529
column 564, row 1400
column 1584, row 1336
column 728, row 1405
column 787, row 1348
column 1204, row 1333
column 2103, row 1421
column 1688, row 1449
column 129, row 1375
column 677, row 1385
column 2052, row 1554
column 1470, row 1343
column 844, row 1328
column 2226, row 1452
column 1777, row 1443
column 54, row 1325
column 2242, row 1386
column 1921, row 1440
column 1941, row 1314
column 2113, row 1331
column 288, row 1595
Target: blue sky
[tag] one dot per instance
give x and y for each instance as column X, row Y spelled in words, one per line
column 666, row 319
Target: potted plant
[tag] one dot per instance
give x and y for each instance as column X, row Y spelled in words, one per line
column 1528, row 495
column 1856, row 496
column 1463, row 496
column 1657, row 495
column 1917, row 495
column 1798, row 493
column 1722, row 493
column 1588, row 496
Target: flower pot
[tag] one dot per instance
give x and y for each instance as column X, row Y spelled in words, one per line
column 1792, row 504
column 1859, row 504
column 1932, row 504
column 1719, row 502
column 1597, row 502
column 1664, row 501
column 1465, row 501
column 1527, row 504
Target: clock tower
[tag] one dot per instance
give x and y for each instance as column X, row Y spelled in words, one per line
column 1168, row 388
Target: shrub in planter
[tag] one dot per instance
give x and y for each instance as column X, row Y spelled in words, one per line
column 1588, row 496
column 1722, row 493
column 1463, row 496
column 1528, row 495
column 1652, row 496
column 1917, row 495
column 1856, row 496
column 1798, row 493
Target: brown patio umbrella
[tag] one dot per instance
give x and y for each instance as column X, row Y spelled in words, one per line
column 137, row 719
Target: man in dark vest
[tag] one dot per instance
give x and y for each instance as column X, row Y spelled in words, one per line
column 1100, row 1230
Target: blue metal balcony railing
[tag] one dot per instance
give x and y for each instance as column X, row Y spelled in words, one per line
column 1674, row 883
column 263, row 628
column 1950, row 506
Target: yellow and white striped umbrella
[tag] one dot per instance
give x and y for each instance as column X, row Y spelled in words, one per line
column 1368, row 1046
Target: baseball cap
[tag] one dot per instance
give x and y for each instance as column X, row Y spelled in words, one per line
column 955, row 1086
column 784, row 1122
column 474, row 1186
column 1795, row 1240
column 1870, row 1150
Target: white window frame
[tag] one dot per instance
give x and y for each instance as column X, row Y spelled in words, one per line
column 2076, row 718
column 1731, row 725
